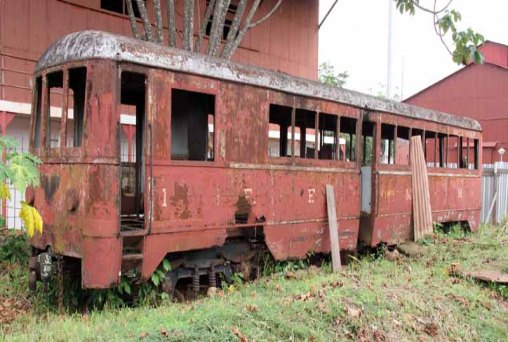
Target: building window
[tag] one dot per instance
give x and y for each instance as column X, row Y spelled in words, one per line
column 279, row 131
column 120, row 7
column 192, row 125
column 327, row 136
column 228, row 21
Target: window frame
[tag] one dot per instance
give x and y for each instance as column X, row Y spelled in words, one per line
column 318, row 108
column 62, row 149
column 211, row 90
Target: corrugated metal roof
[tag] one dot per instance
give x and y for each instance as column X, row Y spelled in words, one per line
column 86, row 45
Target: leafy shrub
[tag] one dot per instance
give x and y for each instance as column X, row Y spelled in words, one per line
column 14, row 248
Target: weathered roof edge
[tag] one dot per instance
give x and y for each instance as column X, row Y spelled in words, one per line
column 103, row 45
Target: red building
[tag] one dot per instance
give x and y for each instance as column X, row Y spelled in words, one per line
column 287, row 42
column 479, row 92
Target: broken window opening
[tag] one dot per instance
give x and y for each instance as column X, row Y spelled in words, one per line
column 279, row 131
column 402, row 148
column 76, row 106
column 54, row 96
column 431, row 149
column 462, row 158
column 328, row 136
column 133, row 173
column 347, row 151
column 368, row 131
column 442, row 149
column 387, row 144
column 305, row 134
column 453, row 151
column 476, row 156
column 38, row 112
column 192, row 123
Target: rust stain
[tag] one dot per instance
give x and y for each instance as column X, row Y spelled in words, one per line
column 180, row 202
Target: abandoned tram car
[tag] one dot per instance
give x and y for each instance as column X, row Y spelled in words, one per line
column 151, row 153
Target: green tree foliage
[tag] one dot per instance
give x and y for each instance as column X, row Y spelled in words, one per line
column 20, row 169
column 328, row 75
column 465, row 42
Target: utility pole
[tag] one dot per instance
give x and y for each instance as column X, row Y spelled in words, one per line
column 389, row 57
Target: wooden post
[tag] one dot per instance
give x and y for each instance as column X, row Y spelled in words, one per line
column 333, row 228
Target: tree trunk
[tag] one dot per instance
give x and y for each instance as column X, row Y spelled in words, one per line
column 219, row 15
column 170, row 7
column 202, row 29
column 227, row 54
column 132, row 18
column 188, row 25
column 146, row 21
column 235, row 26
column 158, row 19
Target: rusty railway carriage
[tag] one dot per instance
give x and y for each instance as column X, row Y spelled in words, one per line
column 229, row 160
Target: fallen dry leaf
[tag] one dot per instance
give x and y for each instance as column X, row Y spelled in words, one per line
column 378, row 336
column 143, row 335
column 431, row 329
column 304, row 297
column 336, row 283
column 252, row 308
column 353, row 312
column 164, row 332
column 454, row 269
column 239, row 334
column 290, row 275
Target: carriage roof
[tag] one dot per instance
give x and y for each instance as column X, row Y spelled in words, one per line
column 86, row 45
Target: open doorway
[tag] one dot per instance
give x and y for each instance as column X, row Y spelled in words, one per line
column 132, row 151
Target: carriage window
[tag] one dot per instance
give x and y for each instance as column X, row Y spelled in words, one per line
column 347, row 151
column 76, row 106
column 430, row 149
column 305, row 133
column 38, row 114
column 327, row 136
column 442, row 149
column 55, row 91
column 402, row 152
column 469, row 155
column 368, row 130
column 453, row 151
column 387, row 144
column 192, row 124
column 279, row 131
column 462, row 153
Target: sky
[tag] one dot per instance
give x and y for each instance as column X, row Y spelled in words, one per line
column 355, row 35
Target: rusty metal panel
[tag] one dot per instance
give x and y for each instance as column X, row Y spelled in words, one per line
column 101, row 262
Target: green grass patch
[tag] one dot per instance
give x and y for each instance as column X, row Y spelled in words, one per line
column 372, row 298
